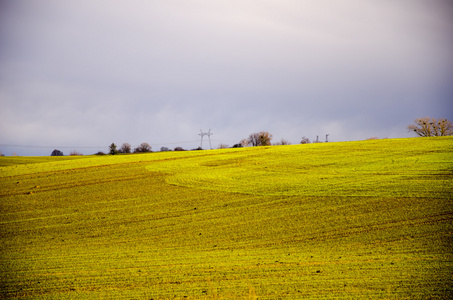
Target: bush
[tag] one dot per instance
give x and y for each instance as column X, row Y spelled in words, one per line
column 56, row 153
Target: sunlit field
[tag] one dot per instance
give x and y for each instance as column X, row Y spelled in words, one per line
column 354, row 220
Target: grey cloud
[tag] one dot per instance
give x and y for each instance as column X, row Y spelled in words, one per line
column 134, row 71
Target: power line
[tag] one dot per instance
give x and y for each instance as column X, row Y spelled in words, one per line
column 87, row 147
column 40, row 146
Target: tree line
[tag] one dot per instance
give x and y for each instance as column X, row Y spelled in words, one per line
column 127, row 148
column 424, row 127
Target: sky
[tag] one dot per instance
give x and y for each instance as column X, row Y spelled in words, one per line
column 77, row 75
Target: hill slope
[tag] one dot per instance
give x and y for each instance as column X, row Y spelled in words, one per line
column 368, row 219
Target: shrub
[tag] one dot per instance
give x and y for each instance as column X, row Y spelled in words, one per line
column 56, row 153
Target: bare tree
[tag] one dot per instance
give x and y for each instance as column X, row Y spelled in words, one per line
column 125, row 148
column 305, row 140
column 431, row 127
column 243, row 143
column 262, row 138
column 143, row 148
column 253, row 139
column 223, row 146
column 285, row 142
column 282, row 142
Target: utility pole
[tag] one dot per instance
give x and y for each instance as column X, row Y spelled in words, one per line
column 326, row 138
column 202, row 134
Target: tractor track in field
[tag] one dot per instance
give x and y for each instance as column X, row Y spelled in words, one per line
column 75, row 169
column 74, row 184
column 326, row 235
column 57, row 187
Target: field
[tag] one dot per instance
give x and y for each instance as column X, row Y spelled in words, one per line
column 352, row 220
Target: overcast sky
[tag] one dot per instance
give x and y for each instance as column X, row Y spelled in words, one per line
column 81, row 74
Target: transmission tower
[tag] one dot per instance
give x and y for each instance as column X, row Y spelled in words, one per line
column 202, row 134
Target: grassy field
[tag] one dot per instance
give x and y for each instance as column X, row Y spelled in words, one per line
column 351, row 220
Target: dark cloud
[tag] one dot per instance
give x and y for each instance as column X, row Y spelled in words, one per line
column 84, row 73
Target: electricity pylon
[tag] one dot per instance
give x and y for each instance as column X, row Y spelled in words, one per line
column 209, row 137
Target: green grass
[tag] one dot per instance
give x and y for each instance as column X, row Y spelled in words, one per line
column 369, row 219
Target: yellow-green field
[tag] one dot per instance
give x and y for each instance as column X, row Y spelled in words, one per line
column 352, row 220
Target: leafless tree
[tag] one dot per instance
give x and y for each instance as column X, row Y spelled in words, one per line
column 305, row 140
column 244, row 143
column 262, row 138
column 431, row 127
column 125, row 148
column 223, row 146
column 282, row 142
column 143, row 148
